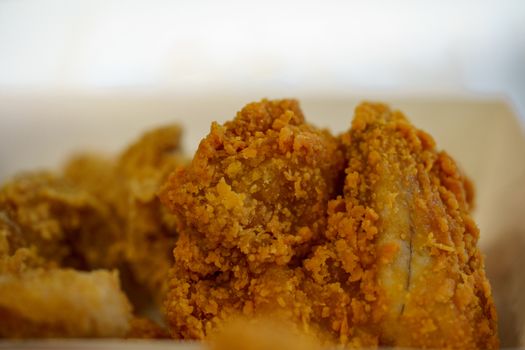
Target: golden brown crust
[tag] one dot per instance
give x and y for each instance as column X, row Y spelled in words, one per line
column 128, row 187
column 66, row 225
column 363, row 240
column 252, row 202
column 428, row 287
column 391, row 261
column 150, row 230
column 46, row 224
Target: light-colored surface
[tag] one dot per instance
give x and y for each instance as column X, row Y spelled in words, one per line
column 292, row 46
column 484, row 136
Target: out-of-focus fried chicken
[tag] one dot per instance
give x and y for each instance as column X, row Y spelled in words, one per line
column 62, row 303
column 39, row 300
column 364, row 240
column 128, row 186
column 390, row 261
column 66, row 225
column 252, row 202
column 260, row 334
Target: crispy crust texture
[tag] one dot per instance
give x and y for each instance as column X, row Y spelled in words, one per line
column 66, row 225
column 127, row 186
column 253, row 201
column 388, row 258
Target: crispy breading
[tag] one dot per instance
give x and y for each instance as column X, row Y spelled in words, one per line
column 45, row 224
column 128, row 186
column 402, row 244
column 66, row 225
column 252, row 203
column 389, row 257
column 431, row 289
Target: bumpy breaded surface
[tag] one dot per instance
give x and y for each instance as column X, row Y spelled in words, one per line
column 128, row 186
column 388, row 258
column 66, row 225
column 417, row 240
column 252, row 203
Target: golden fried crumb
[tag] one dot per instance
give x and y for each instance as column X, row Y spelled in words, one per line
column 284, row 236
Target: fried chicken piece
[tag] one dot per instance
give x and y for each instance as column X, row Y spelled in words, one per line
column 38, row 299
column 128, row 186
column 67, row 226
column 404, row 241
column 62, row 303
column 252, row 202
column 391, row 261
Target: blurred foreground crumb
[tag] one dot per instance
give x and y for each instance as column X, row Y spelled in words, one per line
column 260, row 334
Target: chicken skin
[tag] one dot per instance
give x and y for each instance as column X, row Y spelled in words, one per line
column 387, row 257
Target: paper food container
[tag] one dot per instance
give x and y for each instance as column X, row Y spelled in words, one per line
column 484, row 136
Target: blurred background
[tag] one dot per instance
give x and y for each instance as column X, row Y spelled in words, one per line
column 77, row 75
column 401, row 47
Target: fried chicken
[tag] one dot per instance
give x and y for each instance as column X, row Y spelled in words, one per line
column 387, row 259
column 401, row 241
column 128, row 186
column 64, row 303
column 67, row 226
column 362, row 240
column 37, row 298
column 252, row 203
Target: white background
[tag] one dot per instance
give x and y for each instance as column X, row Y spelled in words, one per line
column 284, row 47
